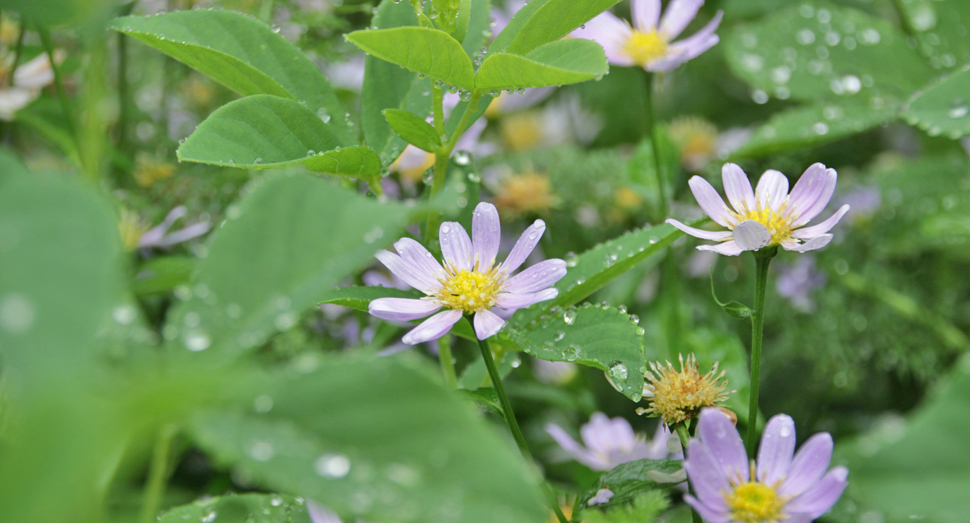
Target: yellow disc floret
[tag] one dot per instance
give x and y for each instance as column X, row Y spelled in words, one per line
column 676, row 396
column 777, row 221
column 644, row 48
column 755, row 502
column 525, row 193
column 470, row 291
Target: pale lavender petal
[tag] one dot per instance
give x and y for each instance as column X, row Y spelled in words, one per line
column 536, row 278
column 508, row 300
column 815, row 243
column 401, row 309
column 808, row 466
column 456, row 246
column 486, row 233
column 524, row 247
column 751, row 235
column 700, row 233
column 487, row 324
column 185, row 234
column 414, row 253
column 708, row 515
column 577, row 451
column 603, row 434
column 699, row 42
column 611, row 33
column 728, row 248
column 772, row 189
column 646, row 13
column 777, row 449
column 412, row 274
column 667, row 63
column 433, row 327
column 710, row 202
column 799, row 518
column 811, row 193
column 820, row 497
column 657, row 448
column 678, row 15
column 737, row 187
column 153, row 236
column 721, row 437
column 706, row 476
column 321, row 514
column 821, row 228
column 603, row 495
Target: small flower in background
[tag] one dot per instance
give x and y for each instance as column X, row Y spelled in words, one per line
column 769, row 216
column 528, row 192
column 131, row 226
column 554, row 372
column 699, row 141
column 470, row 281
column 28, row 79
column 563, row 121
column 610, row 442
column 506, row 103
column 863, row 202
column 413, row 162
column 347, row 75
column 780, row 486
column 646, row 44
column 159, row 237
column 797, row 281
column 501, row 17
column 675, row 396
column 148, row 170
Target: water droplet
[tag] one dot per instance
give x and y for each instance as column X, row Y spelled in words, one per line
column 263, row 404
column 958, row 108
column 571, row 353
column 16, row 313
column 618, row 371
column 332, row 466
column 820, row 128
column 197, row 341
column 262, row 451
column 569, row 316
column 124, row 314
column 463, row 158
column 559, row 336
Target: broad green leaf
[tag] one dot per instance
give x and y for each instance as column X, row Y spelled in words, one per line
column 243, row 508
column 480, row 18
column 413, row 129
column 940, row 28
column 430, row 52
column 358, row 298
column 818, row 124
column 388, row 86
column 942, row 108
column 917, row 467
column 268, row 132
column 629, row 480
column 162, row 275
column 503, row 39
column 445, row 14
column 554, row 20
column 243, row 54
column 475, row 375
column 555, row 63
column 377, row 439
column 285, row 245
column 60, row 12
column 593, row 335
column 462, row 20
column 824, row 51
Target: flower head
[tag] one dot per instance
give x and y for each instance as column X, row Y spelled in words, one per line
column 610, row 442
column 28, row 79
column 523, row 193
column 769, row 215
column 470, row 282
column 676, row 396
column 649, row 42
column 780, row 486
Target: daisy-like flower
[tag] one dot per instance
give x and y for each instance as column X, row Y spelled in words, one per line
column 471, row 282
column 610, row 442
column 676, row 396
column 769, row 215
column 780, row 486
column 28, row 80
column 648, row 44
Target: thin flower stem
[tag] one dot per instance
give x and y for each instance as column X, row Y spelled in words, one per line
column 439, row 109
column 45, row 38
column 762, row 259
column 510, row 418
column 18, row 52
column 655, row 149
column 447, row 362
column 681, row 430
column 158, row 474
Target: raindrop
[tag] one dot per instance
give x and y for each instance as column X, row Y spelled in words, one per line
column 618, row 371
column 196, row 341
column 263, row 404
column 262, row 451
column 559, row 336
column 16, row 313
column 332, row 466
column 463, row 158
column 569, row 316
column 571, row 353
column 759, row 96
column 958, row 108
column 124, row 314
column 820, row 128
column 323, row 115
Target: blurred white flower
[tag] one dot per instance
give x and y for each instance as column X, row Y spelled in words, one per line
column 610, row 442
column 28, row 79
column 159, row 236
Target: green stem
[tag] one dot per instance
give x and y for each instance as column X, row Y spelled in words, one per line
column 439, row 109
column 762, row 259
column 45, row 38
column 655, row 149
column 510, row 417
column 18, row 52
column 681, row 430
column 447, row 362
column 158, row 474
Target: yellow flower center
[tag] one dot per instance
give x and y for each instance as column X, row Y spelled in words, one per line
column 523, row 131
column 677, row 396
column 413, row 172
column 777, row 221
column 644, row 48
column 754, row 502
column 524, row 193
column 470, row 291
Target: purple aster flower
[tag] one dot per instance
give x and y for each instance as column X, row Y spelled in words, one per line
column 648, row 44
column 798, row 281
column 610, row 442
column 471, row 282
column 780, row 486
column 769, row 215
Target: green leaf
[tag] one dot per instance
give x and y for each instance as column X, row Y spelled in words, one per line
column 486, row 399
column 519, row 19
column 430, row 52
column 942, row 108
column 920, row 465
column 814, row 125
column 646, row 507
column 556, row 63
column 735, row 309
column 377, row 439
column 268, row 132
column 825, row 51
column 358, row 298
column 388, row 86
column 462, row 20
column 309, row 234
column 593, row 335
column 445, row 14
column 479, row 25
column 243, row 54
column 939, row 26
column 554, row 20
column 413, row 129
column 162, row 275
column 60, row 12
column 629, row 480
column 243, row 508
